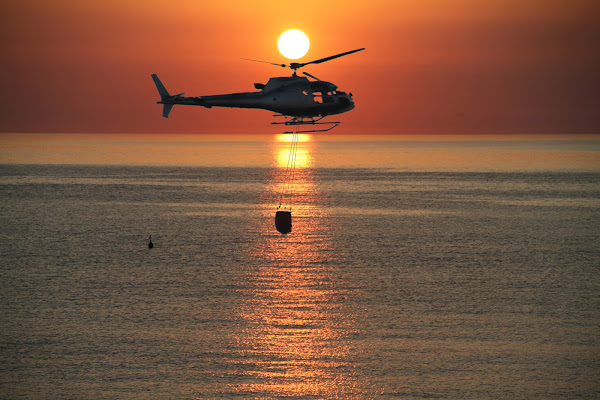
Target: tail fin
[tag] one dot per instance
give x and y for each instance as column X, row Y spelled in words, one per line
column 161, row 88
column 167, row 109
column 164, row 95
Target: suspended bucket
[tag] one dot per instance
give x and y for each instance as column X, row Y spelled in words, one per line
column 283, row 221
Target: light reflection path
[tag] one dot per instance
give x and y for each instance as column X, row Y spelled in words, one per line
column 298, row 339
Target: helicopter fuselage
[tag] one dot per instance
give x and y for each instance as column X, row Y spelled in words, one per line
column 293, row 96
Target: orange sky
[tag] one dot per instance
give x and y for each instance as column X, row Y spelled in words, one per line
column 431, row 66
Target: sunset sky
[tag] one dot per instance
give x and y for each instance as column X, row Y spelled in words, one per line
column 430, row 66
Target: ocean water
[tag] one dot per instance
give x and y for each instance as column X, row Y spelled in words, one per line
column 454, row 268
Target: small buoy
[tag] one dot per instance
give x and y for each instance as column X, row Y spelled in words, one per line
column 283, row 221
column 150, row 245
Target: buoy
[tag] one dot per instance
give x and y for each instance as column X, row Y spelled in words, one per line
column 283, row 221
column 150, row 245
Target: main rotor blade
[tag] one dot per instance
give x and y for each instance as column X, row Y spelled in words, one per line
column 266, row 62
column 319, row 61
column 312, row 76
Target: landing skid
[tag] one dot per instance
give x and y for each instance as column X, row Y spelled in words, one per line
column 293, row 121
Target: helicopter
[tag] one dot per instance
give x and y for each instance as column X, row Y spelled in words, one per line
column 297, row 99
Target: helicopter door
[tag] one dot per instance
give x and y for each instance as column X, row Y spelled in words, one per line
column 317, row 96
column 322, row 92
column 307, row 97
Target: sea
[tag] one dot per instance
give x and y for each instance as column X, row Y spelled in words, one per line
column 418, row 267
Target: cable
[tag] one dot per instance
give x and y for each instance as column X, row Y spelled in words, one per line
column 290, row 172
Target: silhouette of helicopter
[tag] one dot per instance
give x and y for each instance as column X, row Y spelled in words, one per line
column 298, row 100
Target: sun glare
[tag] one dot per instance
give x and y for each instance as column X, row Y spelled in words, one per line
column 293, row 44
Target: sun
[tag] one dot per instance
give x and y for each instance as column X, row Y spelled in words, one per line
column 293, row 44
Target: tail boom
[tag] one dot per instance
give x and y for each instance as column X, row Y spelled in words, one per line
column 233, row 100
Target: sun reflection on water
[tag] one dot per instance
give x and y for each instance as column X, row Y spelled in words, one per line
column 297, row 328
column 281, row 151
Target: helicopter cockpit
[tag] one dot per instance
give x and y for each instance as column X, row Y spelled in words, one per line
column 323, row 92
